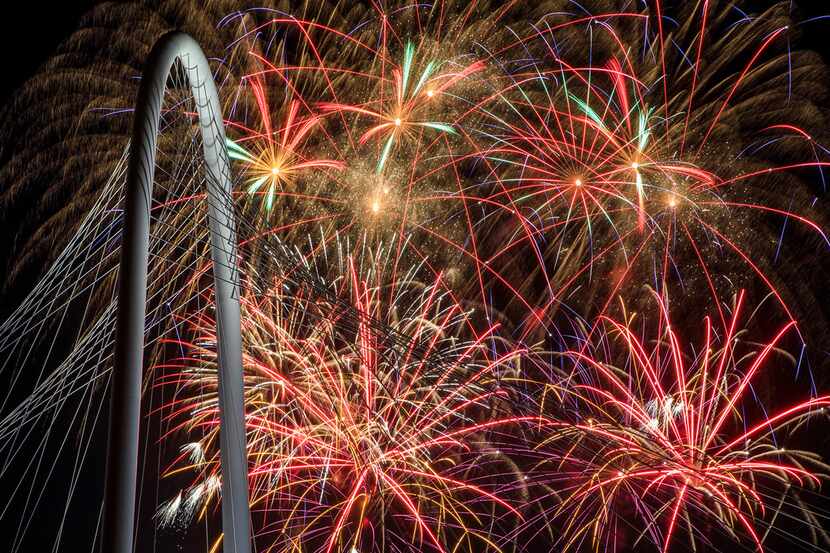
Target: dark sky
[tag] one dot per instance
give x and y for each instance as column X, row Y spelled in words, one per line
column 30, row 32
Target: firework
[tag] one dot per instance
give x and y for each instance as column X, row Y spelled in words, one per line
column 408, row 97
column 357, row 441
column 606, row 164
column 278, row 161
column 669, row 434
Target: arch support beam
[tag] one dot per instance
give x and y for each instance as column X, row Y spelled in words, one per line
column 126, row 381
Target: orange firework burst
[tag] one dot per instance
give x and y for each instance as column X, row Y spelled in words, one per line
column 412, row 93
column 273, row 158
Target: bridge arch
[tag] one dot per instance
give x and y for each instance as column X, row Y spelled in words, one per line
column 122, row 448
